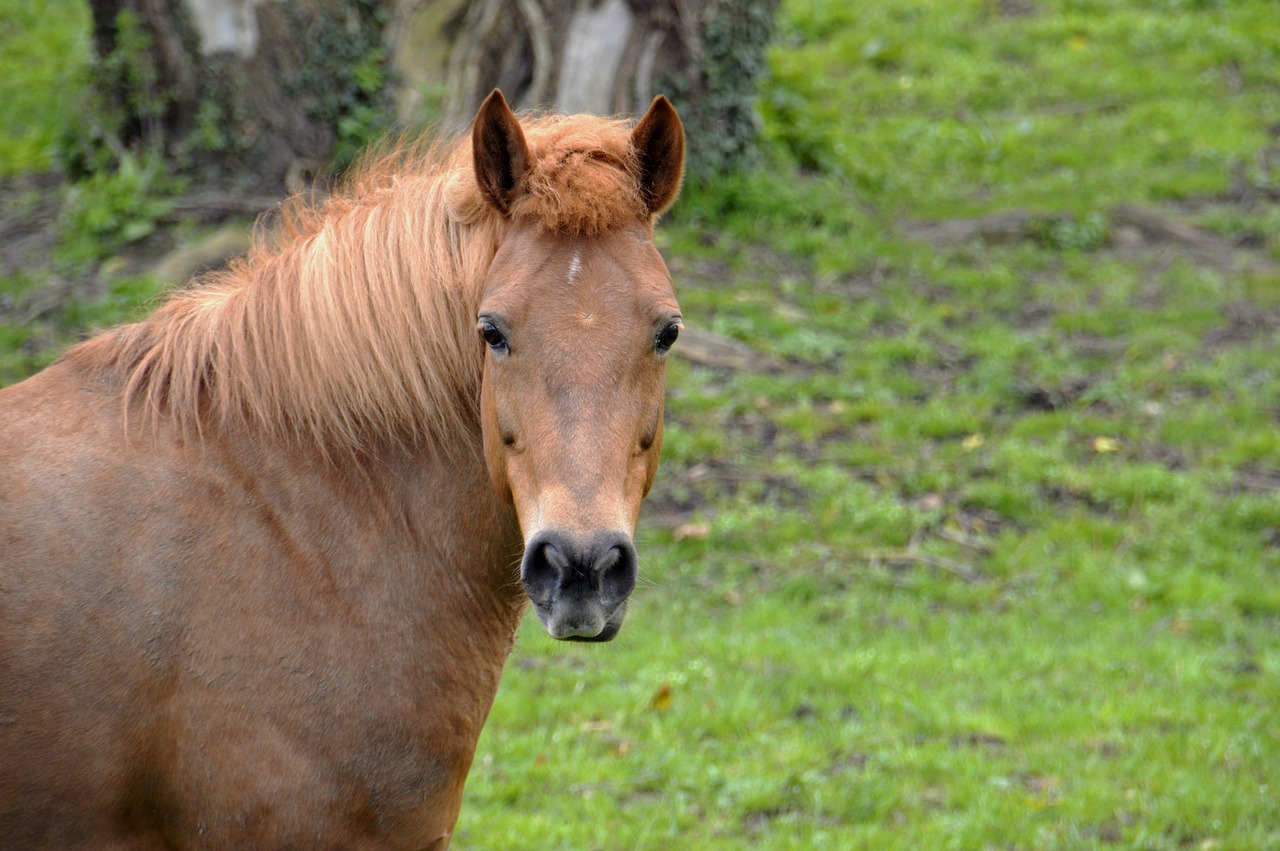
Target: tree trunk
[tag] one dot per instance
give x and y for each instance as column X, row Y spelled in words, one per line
column 601, row 56
column 257, row 89
column 266, row 89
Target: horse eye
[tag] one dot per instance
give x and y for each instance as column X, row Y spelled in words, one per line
column 493, row 337
column 667, row 337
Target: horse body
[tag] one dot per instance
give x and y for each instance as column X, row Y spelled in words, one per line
column 293, row 663
column 258, row 552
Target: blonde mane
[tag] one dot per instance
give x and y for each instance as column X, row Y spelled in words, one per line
column 354, row 323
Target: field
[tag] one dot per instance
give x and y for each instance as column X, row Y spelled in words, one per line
column 967, row 534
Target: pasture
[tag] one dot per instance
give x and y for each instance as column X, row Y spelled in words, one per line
column 970, row 536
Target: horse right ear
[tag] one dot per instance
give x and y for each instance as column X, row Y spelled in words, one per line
column 499, row 152
column 659, row 141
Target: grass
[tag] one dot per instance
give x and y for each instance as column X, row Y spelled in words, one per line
column 985, row 554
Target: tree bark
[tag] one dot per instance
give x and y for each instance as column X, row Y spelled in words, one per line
column 601, row 56
column 267, row 89
column 257, row 89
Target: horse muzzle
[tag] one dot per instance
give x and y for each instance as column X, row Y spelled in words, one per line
column 579, row 584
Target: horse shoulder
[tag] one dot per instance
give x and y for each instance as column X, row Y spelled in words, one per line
column 148, row 585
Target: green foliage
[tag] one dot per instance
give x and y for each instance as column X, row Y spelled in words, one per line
column 32, row 339
column 130, row 70
column 109, row 209
column 42, row 49
column 346, row 77
column 121, row 96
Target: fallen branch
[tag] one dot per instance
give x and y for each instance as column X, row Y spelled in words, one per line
column 1060, row 110
column 219, row 206
column 908, row 558
column 1010, row 226
column 707, row 349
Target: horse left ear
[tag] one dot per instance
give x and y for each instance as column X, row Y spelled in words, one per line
column 659, row 141
column 499, row 152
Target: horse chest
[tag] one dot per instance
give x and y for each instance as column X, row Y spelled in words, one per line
column 338, row 732
column 374, row 779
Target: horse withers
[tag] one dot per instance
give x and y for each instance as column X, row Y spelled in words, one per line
column 263, row 554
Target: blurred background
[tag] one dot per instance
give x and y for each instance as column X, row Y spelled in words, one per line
column 968, row 528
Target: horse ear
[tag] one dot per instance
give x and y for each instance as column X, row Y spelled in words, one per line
column 498, row 151
column 659, row 140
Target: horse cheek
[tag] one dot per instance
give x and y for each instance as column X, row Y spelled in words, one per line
column 651, row 458
column 495, row 452
column 650, row 447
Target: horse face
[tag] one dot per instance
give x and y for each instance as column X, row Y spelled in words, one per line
column 576, row 334
column 576, row 331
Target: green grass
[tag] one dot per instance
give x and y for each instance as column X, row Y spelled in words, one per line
column 987, row 556
column 940, row 107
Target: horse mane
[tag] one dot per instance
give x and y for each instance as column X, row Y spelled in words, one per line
column 352, row 321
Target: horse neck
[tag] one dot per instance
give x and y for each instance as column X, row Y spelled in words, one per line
column 461, row 545
column 418, row 544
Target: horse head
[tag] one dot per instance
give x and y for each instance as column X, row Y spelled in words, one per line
column 577, row 317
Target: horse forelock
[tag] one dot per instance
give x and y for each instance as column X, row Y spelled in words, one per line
column 353, row 320
column 581, row 178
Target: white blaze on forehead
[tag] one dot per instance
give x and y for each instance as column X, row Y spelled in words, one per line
column 575, row 266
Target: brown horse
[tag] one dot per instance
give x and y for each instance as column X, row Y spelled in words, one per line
column 258, row 552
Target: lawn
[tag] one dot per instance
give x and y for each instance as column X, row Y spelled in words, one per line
column 978, row 544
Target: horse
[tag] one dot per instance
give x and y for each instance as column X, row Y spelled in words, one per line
column 263, row 553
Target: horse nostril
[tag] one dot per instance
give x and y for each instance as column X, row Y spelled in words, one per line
column 543, row 569
column 555, row 559
column 617, row 570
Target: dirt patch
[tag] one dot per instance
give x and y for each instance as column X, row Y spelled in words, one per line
column 1243, row 322
column 1016, row 8
column 30, row 233
column 1053, row 398
column 1169, row 457
column 1154, row 228
column 1128, row 229
column 681, row 493
column 980, row 739
column 27, row 221
column 700, row 346
column 1256, row 479
column 1006, row 226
